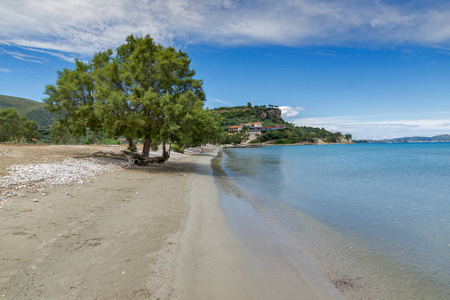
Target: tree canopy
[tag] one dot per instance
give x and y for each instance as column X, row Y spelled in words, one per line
column 13, row 127
column 144, row 91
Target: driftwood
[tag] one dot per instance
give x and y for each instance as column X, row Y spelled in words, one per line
column 131, row 157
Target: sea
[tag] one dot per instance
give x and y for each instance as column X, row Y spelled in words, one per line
column 372, row 218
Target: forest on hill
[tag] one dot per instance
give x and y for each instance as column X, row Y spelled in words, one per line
column 30, row 109
column 443, row 138
column 271, row 115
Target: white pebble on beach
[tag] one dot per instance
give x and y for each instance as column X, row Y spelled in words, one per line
column 50, row 175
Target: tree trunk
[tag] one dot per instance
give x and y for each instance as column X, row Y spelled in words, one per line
column 131, row 145
column 165, row 155
column 164, row 149
column 146, row 149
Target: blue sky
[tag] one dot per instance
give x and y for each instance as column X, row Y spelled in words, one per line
column 372, row 68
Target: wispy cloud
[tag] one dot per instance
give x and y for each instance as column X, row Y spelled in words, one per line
column 24, row 57
column 221, row 101
column 84, row 26
column 380, row 127
column 4, row 70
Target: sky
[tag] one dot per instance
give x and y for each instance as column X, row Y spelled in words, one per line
column 372, row 68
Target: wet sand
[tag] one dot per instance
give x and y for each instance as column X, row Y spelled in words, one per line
column 244, row 261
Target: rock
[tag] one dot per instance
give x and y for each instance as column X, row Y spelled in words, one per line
column 35, row 200
column 67, row 193
column 137, row 193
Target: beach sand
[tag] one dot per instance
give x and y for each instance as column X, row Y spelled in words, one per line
column 98, row 240
column 155, row 232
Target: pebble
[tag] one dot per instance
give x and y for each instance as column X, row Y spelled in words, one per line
column 137, row 193
column 50, row 175
column 35, row 200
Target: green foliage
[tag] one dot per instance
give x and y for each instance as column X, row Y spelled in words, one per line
column 13, row 127
column 177, row 148
column 249, row 114
column 146, row 92
column 234, row 139
column 30, row 109
column 44, row 134
column 29, row 130
column 107, row 141
column 21, row 105
column 270, row 116
column 60, row 133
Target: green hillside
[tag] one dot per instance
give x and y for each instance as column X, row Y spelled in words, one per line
column 244, row 114
column 443, row 138
column 33, row 110
column 269, row 116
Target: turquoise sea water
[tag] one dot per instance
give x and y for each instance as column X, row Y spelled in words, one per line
column 373, row 218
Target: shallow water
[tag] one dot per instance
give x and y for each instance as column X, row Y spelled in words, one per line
column 373, row 218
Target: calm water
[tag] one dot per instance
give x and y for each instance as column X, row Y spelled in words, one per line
column 374, row 218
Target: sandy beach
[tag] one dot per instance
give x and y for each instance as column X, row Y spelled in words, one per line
column 155, row 232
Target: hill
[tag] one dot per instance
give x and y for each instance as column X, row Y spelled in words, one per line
column 270, row 116
column 249, row 114
column 33, row 110
column 443, row 138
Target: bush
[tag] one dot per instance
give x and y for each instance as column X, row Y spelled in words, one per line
column 109, row 142
column 177, row 148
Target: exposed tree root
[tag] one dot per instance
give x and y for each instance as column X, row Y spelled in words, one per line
column 131, row 157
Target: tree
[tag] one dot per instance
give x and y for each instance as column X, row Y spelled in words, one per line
column 14, row 127
column 60, row 133
column 9, row 124
column 73, row 99
column 30, row 130
column 146, row 91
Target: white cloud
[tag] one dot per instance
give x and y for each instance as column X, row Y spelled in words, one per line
column 380, row 127
column 4, row 70
column 288, row 112
column 85, row 27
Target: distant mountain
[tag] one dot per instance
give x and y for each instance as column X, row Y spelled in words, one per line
column 33, row 110
column 443, row 138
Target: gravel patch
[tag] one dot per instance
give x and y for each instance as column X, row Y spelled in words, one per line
column 37, row 177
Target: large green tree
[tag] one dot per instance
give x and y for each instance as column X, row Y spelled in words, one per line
column 144, row 91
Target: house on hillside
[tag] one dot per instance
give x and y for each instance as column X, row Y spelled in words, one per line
column 276, row 127
column 234, row 129
column 253, row 128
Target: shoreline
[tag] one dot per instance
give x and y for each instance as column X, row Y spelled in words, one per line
column 223, row 257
